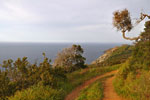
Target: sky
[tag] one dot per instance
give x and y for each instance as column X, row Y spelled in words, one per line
column 66, row 20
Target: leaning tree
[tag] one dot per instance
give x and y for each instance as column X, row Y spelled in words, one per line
column 122, row 21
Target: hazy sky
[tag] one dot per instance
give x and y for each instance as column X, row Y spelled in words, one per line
column 65, row 20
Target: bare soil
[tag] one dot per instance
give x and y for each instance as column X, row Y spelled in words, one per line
column 109, row 93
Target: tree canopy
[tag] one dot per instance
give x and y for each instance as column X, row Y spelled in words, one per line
column 70, row 57
column 122, row 21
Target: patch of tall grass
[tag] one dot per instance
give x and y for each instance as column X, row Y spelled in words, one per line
column 133, row 84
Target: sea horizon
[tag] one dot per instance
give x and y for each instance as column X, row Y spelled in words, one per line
column 14, row 50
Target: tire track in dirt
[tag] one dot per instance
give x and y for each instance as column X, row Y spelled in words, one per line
column 75, row 93
column 109, row 92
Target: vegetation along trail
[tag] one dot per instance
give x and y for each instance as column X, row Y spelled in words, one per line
column 75, row 93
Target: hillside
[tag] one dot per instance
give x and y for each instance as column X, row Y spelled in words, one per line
column 132, row 80
column 112, row 56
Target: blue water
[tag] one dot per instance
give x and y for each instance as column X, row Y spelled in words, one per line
column 34, row 50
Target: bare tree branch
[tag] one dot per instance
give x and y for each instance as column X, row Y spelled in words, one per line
column 129, row 38
column 143, row 16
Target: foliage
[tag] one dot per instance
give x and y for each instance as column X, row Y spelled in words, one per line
column 141, row 54
column 70, row 57
column 133, row 77
column 38, row 93
column 5, row 87
column 122, row 20
column 58, row 93
column 20, row 75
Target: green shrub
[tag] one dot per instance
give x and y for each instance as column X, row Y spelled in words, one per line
column 38, row 93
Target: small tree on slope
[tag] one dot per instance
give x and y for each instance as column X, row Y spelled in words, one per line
column 70, row 58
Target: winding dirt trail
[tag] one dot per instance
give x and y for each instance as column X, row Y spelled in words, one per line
column 109, row 93
column 75, row 93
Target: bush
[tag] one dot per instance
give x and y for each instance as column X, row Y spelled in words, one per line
column 38, row 93
column 70, row 58
column 21, row 75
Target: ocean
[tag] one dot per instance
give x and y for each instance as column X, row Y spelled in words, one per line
column 34, row 50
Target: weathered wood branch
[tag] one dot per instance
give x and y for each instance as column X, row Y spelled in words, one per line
column 129, row 38
column 143, row 16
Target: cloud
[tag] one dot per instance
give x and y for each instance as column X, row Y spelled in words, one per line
column 11, row 10
column 67, row 20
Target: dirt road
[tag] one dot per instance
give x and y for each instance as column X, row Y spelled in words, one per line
column 109, row 93
column 75, row 93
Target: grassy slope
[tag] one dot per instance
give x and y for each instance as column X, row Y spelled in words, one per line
column 118, row 56
column 133, row 83
column 133, row 78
